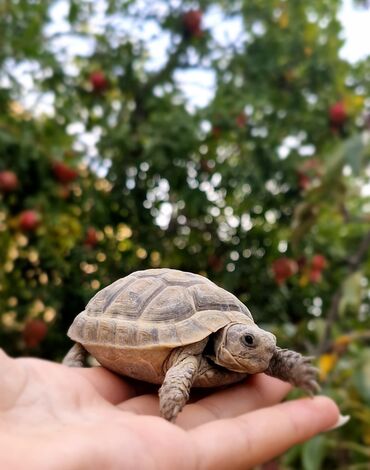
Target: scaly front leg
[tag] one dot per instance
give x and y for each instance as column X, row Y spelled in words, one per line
column 182, row 369
column 294, row 368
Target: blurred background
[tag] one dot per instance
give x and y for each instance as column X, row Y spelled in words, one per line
column 229, row 139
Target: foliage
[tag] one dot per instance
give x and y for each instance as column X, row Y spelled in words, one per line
column 263, row 189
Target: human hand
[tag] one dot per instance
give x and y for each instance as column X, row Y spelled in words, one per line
column 53, row 417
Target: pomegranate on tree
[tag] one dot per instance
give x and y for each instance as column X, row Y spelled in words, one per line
column 318, row 262
column 29, row 220
column 91, row 238
column 216, row 131
column 241, row 120
column 283, row 268
column 8, row 181
column 338, row 114
column 308, row 172
column 216, row 263
column 192, row 21
column 98, row 81
column 34, row 332
column 304, row 181
column 64, row 173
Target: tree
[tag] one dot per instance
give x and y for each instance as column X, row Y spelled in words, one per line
column 261, row 189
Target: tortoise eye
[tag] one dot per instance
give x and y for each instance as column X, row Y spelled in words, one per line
column 248, row 340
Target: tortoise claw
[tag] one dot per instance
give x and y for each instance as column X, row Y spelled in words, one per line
column 294, row 368
column 311, row 387
column 305, row 376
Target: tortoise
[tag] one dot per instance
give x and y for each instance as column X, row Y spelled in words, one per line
column 180, row 330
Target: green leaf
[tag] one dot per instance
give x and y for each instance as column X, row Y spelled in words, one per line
column 351, row 294
column 362, row 376
column 352, row 152
column 73, row 11
column 313, row 453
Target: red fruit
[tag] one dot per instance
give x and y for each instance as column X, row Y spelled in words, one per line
column 241, row 120
column 301, row 262
column 192, row 21
column 8, row 181
column 304, row 181
column 338, row 114
column 283, row 268
column 63, row 173
column 216, row 131
column 29, row 220
column 315, row 275
column 216, row 263
column 91, row 237
column 308, row 171
column 318, row 262
column 34, row 332
column 98, row 81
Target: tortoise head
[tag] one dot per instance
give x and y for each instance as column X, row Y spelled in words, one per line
column 244, row 348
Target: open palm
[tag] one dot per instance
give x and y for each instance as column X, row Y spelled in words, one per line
column 53, row 417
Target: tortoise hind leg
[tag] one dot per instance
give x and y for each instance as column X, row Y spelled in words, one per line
column 76, row 356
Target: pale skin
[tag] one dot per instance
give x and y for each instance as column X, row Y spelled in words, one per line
column 53, row 417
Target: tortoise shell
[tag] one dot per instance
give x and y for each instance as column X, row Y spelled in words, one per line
column 156, row 308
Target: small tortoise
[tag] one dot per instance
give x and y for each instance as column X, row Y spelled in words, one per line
column 180, row 330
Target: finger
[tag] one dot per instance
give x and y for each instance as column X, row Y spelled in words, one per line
column 109, row 385
column 258, row 391
column 142, row 405
column 258, row 436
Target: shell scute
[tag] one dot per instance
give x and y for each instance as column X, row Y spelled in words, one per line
column 216, row 298
column 126, row 333
column 170, row 304
column 106, row 332
column 132, row 300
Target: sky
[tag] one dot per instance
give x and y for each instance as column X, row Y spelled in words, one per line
column 356, row 22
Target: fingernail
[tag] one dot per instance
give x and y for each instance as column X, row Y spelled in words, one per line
column 342, row 420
